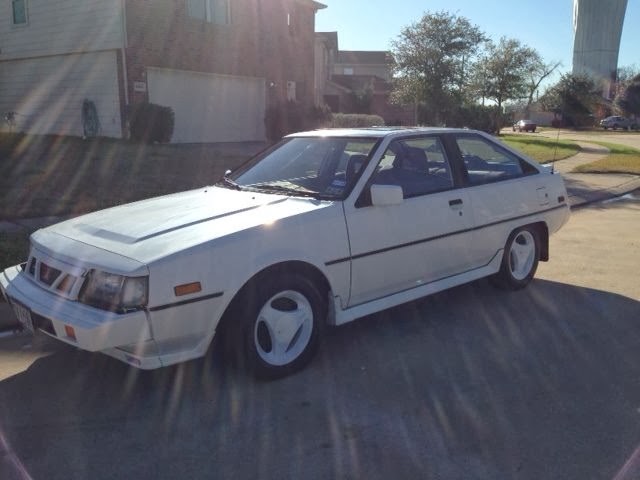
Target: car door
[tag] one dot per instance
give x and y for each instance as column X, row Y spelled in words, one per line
column 502, row 189
column 423, row 238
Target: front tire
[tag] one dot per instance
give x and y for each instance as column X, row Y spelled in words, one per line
column 282, row 324
column 520, row 260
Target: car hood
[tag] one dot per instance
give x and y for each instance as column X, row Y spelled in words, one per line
column 156, row 227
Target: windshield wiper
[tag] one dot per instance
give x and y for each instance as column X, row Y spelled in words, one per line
column 294, row 190
column 227, row 182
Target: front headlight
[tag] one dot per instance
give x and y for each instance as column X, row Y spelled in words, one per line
column 115, row 293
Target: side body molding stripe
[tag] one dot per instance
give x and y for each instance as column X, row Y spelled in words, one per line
column 438, row 237
column 185, row 302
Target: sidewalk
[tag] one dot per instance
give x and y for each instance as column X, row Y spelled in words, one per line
column 587, row 188
column 583, row 189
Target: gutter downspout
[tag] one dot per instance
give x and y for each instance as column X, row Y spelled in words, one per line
column 125, row 74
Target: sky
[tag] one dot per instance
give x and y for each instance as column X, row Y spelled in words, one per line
column 546, row 25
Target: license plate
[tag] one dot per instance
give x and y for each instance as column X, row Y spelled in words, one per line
column 24, row 315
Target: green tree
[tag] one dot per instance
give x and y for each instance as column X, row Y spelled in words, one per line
column 505, row 71
column 430, row 57
column 574, row 97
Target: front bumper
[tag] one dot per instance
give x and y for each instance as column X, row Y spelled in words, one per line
column 93, row 329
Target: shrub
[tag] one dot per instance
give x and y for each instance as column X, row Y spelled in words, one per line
column 151, row 123
column 486, row 118
column 290, row 116
column 355, row 120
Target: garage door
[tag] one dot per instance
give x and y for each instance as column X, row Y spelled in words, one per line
column 209, row 107
column 47, row 93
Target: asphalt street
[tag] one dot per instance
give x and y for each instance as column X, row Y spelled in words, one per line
column 473, row 383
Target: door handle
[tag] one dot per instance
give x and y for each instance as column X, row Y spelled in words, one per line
column 457, row 201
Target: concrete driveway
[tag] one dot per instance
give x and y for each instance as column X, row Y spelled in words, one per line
column 473, row 383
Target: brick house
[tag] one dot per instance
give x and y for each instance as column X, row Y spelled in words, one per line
column 218, row 63
column 357, row 81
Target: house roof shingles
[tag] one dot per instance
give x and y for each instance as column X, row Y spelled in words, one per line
column 361, row 57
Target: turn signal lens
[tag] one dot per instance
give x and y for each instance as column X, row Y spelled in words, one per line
column 187, row 288
column 70, row 333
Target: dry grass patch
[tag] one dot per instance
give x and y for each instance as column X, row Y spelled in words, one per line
column 14, row 248
column 48, row 175
column 621, row 159
column 613, row 163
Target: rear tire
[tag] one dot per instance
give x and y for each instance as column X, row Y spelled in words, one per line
column 519, row 261
column 281, row 324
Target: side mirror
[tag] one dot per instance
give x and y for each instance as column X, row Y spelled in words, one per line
column 384, row 195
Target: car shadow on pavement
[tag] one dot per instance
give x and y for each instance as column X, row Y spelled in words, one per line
column 469, row 383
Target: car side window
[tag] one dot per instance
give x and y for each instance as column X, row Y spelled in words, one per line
column 419, row 165
column 485, row 162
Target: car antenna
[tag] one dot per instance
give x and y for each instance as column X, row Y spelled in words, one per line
column 555, row 148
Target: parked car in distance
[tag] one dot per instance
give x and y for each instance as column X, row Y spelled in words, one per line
column 525, row 126
column 321, row 229
column 616, row 121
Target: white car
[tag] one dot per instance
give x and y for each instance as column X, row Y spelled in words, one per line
column 323, row 228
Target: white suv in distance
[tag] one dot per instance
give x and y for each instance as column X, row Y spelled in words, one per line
column 321, row 229
column 615, row 122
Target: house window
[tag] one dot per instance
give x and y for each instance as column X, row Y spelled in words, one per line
column 347, row 71
column 219, row 12
column 212, row 11
column 19, row 10
column 291, row 91
column 291, row 25
column 197, row 9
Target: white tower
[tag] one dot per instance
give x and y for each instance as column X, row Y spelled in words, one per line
column 597, row 28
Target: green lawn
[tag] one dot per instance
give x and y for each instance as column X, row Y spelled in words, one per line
column 541, row 149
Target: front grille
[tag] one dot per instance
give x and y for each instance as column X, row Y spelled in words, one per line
column 42, row 323
column 48, row 274
column 58, row 277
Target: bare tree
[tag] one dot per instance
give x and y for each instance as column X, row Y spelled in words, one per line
column 538, row 72
column 628, row 98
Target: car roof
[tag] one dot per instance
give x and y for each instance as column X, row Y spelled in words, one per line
column 373, row 132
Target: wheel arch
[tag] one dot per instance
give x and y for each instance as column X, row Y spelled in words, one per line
column 542, row 230
column 295, row 266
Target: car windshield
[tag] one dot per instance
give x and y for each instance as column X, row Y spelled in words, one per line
column 319, row 167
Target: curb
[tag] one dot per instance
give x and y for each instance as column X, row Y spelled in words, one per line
column 605, row 193
column 587, row 203
column 8, row 323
